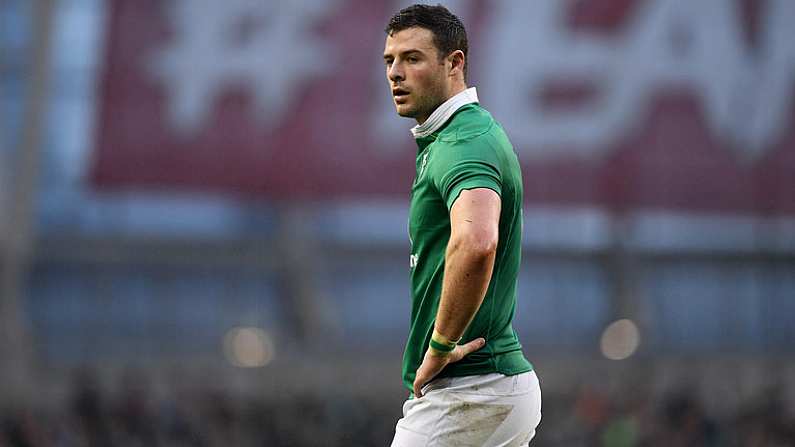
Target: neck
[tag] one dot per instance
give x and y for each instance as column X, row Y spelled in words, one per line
column 443, row 112
column 457, row 88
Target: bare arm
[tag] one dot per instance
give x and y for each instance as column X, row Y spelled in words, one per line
column 469, row 262
column 469, row 259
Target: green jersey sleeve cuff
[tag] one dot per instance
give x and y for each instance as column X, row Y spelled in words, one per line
column 479, row 181
column 468, row 174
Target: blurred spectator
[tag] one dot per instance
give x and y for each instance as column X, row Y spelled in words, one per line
column 686, row 424
column 131, row 416
column 89, row 411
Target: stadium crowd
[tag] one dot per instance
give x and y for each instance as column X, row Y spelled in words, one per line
column 130, row 415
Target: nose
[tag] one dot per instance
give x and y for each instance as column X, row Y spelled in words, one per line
column 394, row 73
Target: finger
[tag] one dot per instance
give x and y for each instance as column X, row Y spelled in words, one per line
column 419, row 380
column 418, row 387
column 424, row 374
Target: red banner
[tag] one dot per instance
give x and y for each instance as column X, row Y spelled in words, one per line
column 619, row 104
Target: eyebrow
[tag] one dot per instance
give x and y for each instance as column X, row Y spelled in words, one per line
column 405, row 53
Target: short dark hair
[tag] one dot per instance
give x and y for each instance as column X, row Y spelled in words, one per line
column 448, row 32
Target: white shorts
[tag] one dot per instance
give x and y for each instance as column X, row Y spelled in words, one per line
column 484, row 410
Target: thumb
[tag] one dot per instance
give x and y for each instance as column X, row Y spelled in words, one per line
column 470, row 347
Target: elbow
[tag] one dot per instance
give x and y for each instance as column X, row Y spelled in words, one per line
column 482, row 245
column 486, row 246
column 488, row 249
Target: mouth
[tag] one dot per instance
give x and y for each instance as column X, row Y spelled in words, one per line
column 400, row 94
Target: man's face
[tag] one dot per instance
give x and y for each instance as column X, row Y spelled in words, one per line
column 416, row 75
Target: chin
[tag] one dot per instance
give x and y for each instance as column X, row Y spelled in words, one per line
column 406, row 112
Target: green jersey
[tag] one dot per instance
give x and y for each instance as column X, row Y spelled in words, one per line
column 468, row 150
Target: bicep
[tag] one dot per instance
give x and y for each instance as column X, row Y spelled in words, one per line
column 475, row 216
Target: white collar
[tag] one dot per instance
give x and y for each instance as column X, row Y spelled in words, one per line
column 444, row 112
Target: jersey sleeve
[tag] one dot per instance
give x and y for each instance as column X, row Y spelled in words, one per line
column 466, row 168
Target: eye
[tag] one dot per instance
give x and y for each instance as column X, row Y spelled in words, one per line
column 412, row 59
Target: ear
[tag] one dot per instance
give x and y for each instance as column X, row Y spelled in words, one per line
column 457, row 62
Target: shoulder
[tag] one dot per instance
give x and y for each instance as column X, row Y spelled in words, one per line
column 470, row 122
column 471, row 135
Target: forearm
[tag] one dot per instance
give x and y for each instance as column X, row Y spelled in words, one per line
column 467, row 273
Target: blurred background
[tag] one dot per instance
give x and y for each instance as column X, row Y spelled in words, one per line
column 203, row 213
